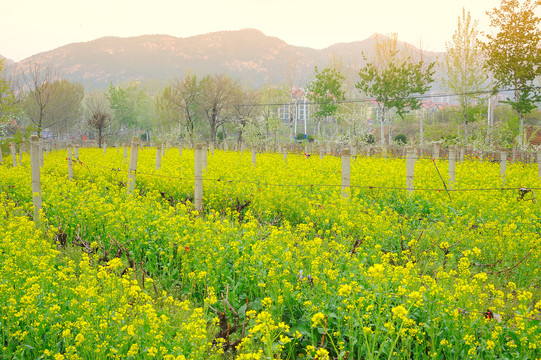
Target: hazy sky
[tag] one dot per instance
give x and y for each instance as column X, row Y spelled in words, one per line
column 28, row 27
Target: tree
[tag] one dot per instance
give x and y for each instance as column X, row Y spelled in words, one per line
column 326, row 91
column 9, row 104
column 52, row 103
column 42, row 86
column 394, row 80
column 217, row 94
column 514, row 54
column 463, row 64
column 245, row 110
column 130, row 106
column 184, row 97
column 99, row 116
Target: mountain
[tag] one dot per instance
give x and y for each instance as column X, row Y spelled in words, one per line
column 7, row 62
column 246, row 55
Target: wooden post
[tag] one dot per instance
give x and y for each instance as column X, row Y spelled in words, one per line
column 41, row 154
column 411, row 158
column 164, row 146
column 436, row 151
column 158, row 156
column 21, row 151
column 13, row 153
column 353, row 151
column 503, row 163
column 1, row 156
column 36, row 183
column 462, row 151
column 132, row 170
column 514, row 158
column 180, row 148
column 70, row 163
column 76, row 151
column 346, row 172
column 198, row 186
column 452, row 164
column 104, row 147
column 125, row 152
column 204, row 155
column 284, row 152
column 253, row 155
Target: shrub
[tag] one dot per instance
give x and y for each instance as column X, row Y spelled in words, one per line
column 401, row 139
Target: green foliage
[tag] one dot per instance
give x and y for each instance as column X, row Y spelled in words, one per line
column 300, row 137
column 130, row 106
column 463, row 66
column 8, row 103
column 396, row 85
column 326, row 91
column 370, row 139
column 514, row 53
column 401, row 139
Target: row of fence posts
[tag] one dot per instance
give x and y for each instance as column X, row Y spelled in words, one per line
column 36, row 156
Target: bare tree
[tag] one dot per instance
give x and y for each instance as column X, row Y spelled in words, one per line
column 99, row 116
column 217, row 94
column 40, row 81
column 245, row 110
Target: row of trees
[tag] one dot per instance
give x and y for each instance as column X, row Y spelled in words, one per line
column 214, row 107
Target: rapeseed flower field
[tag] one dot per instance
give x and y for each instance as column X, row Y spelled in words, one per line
column 277, row 265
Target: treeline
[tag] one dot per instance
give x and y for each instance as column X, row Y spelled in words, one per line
column 338, row 104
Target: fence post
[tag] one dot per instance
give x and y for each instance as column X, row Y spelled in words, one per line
column 76, row 151
column 346, row 172
column 452, row 164
column 253, row 155
column 436, row 151
column 21, row 151
column 158, row 156
column 180, row 148
column 503, row 163
column 411, row 157
column 284, row 152
column 104, row 147
column 212, row 148
column 204, row 155
column 198, row 186
column 70, row 163
column 36, row 183
column 125, row 152
column 132, row 170
column 13, row 153
column 1, row 156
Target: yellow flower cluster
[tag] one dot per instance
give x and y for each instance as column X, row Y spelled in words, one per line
column 382, row 274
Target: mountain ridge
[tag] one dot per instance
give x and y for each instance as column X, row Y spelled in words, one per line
column 247, row 55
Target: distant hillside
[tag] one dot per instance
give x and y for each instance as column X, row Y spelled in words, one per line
column 7, row 61
column 247, row 55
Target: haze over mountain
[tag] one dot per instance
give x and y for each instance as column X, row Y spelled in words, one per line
column 246, row 55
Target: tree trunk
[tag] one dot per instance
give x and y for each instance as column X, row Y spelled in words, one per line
column 521, row 135
column 382, row 128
